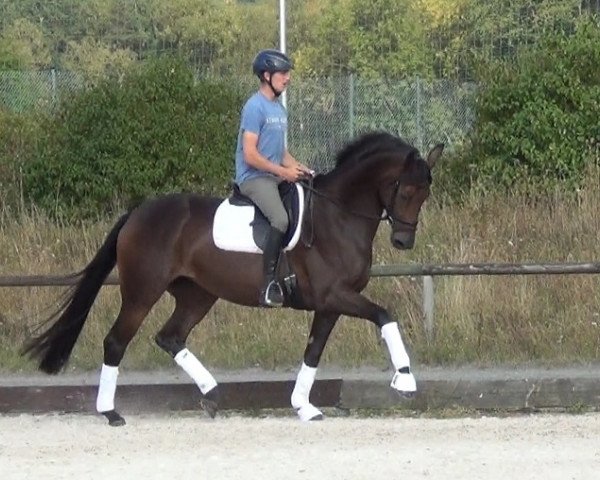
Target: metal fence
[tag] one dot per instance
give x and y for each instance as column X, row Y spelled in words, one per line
column 23, row 91
column 324, row 113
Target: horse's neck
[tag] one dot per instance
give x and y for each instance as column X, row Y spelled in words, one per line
column 356, row 188
column 351, row 199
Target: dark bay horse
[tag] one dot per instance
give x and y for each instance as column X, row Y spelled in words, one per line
column 165, row 244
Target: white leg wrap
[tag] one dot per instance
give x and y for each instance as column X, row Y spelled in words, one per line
column 301, row 394
column 403, row 382
column 393, row 340
column 304, row 382
column 105, row 401
column 192, row 366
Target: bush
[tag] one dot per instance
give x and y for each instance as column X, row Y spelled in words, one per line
column 18, row 139
column 537, row 118
column 158, row 130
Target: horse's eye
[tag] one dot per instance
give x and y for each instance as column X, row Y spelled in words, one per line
column 406, row 192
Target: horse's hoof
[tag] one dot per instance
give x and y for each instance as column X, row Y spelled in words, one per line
column 404, row 383
column 209, row 402
column 407, row 395
column 114, row 419
column 309, row 413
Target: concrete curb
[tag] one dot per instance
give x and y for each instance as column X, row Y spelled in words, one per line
column 525, row 394
column 469, row 388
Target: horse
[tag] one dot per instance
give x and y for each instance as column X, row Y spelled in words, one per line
column 165, row 245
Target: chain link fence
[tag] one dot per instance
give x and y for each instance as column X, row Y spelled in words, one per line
column 325, row 113
column 22, row 91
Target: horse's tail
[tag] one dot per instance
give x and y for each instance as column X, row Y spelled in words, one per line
column 53, row 347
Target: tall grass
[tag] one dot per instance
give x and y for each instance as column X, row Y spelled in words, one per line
column 479, row 319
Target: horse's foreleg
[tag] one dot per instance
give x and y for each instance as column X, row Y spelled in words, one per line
column 319, row 333
column 403, row 381
column 354, row 304
column 192, row 304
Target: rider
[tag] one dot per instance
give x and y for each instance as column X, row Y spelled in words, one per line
column 262, row 160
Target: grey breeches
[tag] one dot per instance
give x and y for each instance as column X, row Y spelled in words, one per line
column 264, row 193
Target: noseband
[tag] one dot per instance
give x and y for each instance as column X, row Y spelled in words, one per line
column 409, row 226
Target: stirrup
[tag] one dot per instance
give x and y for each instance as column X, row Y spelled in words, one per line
column 272, row 295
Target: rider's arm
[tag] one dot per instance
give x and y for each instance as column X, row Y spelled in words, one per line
column 253, row 158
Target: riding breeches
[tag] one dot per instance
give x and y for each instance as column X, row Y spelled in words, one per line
column 264, row 192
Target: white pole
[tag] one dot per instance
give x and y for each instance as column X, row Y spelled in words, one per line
column 282, row 39
column 428, row 308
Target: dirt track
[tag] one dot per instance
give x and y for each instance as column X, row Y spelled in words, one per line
column 185, row 446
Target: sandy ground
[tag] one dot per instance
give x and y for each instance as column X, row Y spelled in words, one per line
column 194, row 447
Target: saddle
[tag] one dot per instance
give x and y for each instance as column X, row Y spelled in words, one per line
column 240, row 226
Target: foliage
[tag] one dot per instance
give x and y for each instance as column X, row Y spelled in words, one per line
column 397, row 38
column 23, row 44
column 158, row 130
column 96, row 60
column 538, row 118
column 475, row 31
column 372, row 38
column 18, row 137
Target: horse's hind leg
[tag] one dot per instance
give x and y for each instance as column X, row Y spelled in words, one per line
column 192, row 303
column 130, row 318
column 322, row 326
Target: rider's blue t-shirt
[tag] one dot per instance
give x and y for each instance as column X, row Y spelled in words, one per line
column 268, row 119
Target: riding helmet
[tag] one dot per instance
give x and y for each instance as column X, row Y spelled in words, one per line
column 271, row 61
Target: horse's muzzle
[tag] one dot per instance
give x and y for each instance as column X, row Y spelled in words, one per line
column 403, row 240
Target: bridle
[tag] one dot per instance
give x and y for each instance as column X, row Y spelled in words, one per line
column 407, row 226
column 410, row 226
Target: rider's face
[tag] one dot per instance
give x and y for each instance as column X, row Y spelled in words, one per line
column 280, row 80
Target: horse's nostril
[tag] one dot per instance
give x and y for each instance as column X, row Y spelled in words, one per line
column 402, row 241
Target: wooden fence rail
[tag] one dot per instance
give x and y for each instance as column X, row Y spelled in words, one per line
column 486, row 269
column 412, row 270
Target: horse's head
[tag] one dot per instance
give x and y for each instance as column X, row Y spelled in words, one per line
column 404, row 195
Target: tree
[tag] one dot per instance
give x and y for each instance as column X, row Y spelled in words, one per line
column 23, row 46
column 373, row 38
column 96, row 60
column 537, row 117
column 481, row 30
column 158, row 130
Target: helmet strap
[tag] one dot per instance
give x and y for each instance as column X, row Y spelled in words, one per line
column 270, row 83
column 275, row 92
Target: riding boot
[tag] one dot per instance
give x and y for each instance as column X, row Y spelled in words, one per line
column 272, row 295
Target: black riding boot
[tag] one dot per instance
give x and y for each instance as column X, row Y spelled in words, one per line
column 271, row 295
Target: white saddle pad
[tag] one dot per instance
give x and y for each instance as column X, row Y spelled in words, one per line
column 232, row 229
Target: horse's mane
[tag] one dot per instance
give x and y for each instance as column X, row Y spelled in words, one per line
column 369, row 143
column 417, row 171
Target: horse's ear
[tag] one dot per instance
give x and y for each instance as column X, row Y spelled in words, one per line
column 434, row 154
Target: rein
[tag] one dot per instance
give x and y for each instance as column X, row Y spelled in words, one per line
column 308, row 185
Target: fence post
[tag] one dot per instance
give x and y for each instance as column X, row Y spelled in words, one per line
column 351, row 100
column 428, row 305
column 419, row 115
column 53, row 78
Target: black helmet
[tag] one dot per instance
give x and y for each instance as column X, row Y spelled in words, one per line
column 271, row 61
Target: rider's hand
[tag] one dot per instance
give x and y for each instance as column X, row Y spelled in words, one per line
column 307, row 172
column 292, row 174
